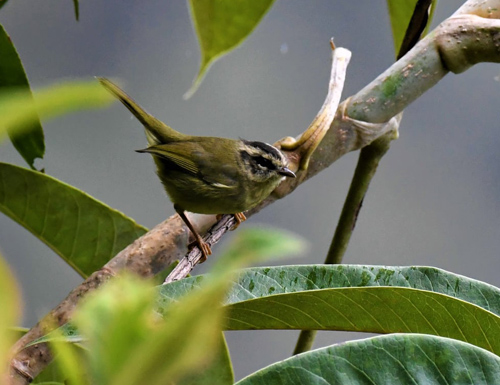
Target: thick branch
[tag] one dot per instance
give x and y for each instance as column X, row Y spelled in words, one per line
column 455, row 45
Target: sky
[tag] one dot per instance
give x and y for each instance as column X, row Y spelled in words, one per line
column 434, row 200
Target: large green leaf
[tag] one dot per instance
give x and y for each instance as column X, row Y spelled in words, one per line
column 31, row 143
column 260, row 282
column 386, row 360
column 360, row 298
column 221, row 25
column 83, row 231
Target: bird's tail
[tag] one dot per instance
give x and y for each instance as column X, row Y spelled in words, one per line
column 157, row 132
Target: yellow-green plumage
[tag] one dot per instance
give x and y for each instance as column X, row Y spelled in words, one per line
column 208, row 175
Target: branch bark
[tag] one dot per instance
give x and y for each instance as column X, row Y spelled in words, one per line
column 470, row 36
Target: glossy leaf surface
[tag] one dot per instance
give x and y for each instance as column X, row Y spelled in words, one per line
column 83, row 231
column 29, row 144
column 386, row 360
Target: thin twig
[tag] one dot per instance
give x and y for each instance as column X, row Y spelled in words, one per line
column 213, row 236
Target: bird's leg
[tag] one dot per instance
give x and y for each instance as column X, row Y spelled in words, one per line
column 202, row 245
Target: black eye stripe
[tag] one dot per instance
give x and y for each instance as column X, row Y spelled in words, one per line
column 266, row 163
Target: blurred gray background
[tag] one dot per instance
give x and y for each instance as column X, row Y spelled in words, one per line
column 435, row 200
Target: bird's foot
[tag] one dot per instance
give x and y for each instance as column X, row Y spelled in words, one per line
column 238, row 217
column 204, row 248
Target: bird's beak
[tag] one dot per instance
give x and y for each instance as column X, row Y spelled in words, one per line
column 287, row 172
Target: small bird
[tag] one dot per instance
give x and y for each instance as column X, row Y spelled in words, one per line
column 208, row 175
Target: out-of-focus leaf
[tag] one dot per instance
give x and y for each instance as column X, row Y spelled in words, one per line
column 51, row 375
column 69, row 363
column 386, row 360
column 18, row 108
column 400, row 13
column 3, row 2
column 49, row 383
column 221, row 25
column 116, row 320
column 128, row 343
column 30, row 144
column 56, row 372
column 83, row 231
column 256, row 245
column 10, row 312
column 195, row 321
column 66, row 333
column 218, row 371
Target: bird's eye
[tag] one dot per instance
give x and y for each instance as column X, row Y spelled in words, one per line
column 264, row 163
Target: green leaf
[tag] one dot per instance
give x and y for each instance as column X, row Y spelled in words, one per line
column 221, row 25
column 19, row 109
column 31, row 143
column 217, row 371
column 359, row 298
column 76, row 5
column 69, row 363
column 10, row 303
column 49, row 383
column 128, row 344
column 83, row 231
column 115, row 321
column 196, row 319
column 400, row 13
column 52, row 374
column 386, row 360
column 2, row 3
column 256, row 245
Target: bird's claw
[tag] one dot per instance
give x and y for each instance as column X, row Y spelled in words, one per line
column 204, row 248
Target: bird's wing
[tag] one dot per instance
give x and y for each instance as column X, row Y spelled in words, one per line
column 178, row 153
column 198, row 158
column 216, row 164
